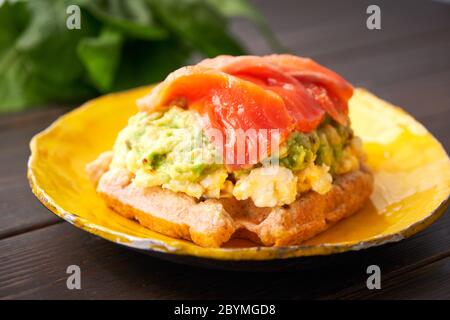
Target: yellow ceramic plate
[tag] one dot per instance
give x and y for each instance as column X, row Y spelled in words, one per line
column 412, row 181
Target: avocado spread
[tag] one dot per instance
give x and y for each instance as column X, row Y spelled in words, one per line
column 326, row 145
column 169, row 145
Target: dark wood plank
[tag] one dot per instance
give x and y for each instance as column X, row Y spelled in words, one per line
column 430, row 282
column 422, row 96
column 20, row 119
column 414, row 43
column 20, row 210
column 393, row 62
column 33, row 265
column 312, row 28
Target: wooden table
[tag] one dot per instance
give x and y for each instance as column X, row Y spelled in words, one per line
column 407, row 63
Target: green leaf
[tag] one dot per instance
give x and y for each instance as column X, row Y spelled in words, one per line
column 241, row 8
column 14, row 18
column 121, row 44
column 132, row 18
column 149, row 62
column 22, row 85
column 41, row 66
column 198, row 24
column 101, row 57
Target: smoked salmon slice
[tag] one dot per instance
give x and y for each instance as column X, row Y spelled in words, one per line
column 228, row 104
column 270, row 96
column 326, row 87
column 302, row 106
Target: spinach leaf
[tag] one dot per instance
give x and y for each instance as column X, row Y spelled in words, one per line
column 198, row 24
column 101, row 57
column 121, row 44
column 133, row 18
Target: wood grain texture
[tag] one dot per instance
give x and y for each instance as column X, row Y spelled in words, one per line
column 33, row 266
column 18, row 208
column 406, row 63
column 429, row 282
column 325, row 27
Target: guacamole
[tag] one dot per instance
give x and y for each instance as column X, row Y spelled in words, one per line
column 165, row 146
column 325, row 145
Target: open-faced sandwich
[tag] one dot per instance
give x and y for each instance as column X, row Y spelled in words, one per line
column 248, row 147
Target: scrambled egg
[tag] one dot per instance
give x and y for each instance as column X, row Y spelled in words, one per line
column 267, row 186
column 213, row 185
column 277, row 186
column 315, row 178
